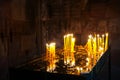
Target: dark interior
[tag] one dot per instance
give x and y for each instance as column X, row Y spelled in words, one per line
column 27, row 25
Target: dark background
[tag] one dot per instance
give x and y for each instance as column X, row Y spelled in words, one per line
column 26, row 26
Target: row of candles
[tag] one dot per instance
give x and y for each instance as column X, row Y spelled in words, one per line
column 96, row 46
column 69, row 43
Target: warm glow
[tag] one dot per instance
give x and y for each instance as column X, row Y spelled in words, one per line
column 98, row 35
column 87, row 59
column 96, row 46
column 81, row 69
column 50, row 56
column 106, row 42
column 72, row 54
column 90, row 36
column 69, row 43
column 103, row 35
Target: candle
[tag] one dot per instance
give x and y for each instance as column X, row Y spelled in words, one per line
column 100, row 41
column 69, row 43
column 90, row 43
column 94, row 50
column 73, row 44
column 67, row 47
column 106, row 41
column 97, row 42
column 50, row 55
column 103, row 43
column 89, row 47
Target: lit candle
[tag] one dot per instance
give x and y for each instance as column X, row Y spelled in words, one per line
column 69, row 43
column 100, row 41
column 106, row 42
column 90, row 46
column 94, row 50
column 90, row 42
column 50, row 53
column 103, row 43
column 67, row 52
column 90, row 51
column 73, row 44
column 97, row 42
column 64, row 49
